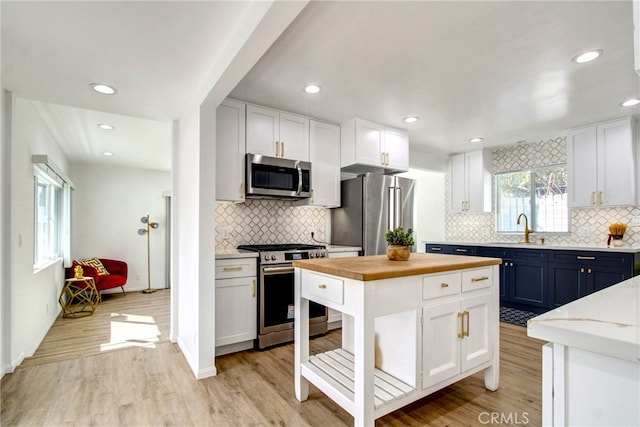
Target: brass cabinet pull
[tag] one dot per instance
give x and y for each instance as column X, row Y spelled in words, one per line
column 444, row 285
column 461, row 333
column 281, row 148
column 462, row 250
column 387, row 156
column 382, row 159
column 253, row 283
column 585, row 257
column 322, row 286
column 242, row 191
column 593, row 197
column 479, row 279
column 588, row 271
column 582, row 270
column 465, row 333
column 236, row 268
column 600, row 198
column 277, row 148
column 436, row 249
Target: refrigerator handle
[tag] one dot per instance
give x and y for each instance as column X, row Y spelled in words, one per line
column 391, row 199
column 398, row 203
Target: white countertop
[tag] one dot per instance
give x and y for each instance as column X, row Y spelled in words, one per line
column 605, row 322
column 234, row 253
column 625, row 249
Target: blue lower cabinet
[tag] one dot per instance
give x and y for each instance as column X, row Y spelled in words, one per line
column 542, row 279
column 529, row 284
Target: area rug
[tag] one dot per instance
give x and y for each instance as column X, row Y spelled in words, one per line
column 515, row 316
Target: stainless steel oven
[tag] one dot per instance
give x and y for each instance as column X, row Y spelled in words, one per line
column 275, row 293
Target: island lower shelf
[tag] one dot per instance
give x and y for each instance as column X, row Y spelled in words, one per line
column 334, row 371
column 403, row 337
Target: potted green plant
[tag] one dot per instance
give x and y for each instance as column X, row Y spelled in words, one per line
column 399, row 243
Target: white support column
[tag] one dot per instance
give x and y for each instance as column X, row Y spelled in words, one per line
column 364, row 354
column 301, row 337
column 492, row 373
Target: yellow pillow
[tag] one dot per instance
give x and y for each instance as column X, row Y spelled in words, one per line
column 96, row 263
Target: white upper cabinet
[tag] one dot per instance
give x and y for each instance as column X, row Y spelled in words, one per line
column 601, row 164
column 324, row 145
column 277, row 134
column 370, row 147
column 470, row 182
column 230, row 151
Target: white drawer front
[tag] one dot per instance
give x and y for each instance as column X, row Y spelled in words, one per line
column 477, row 279
column 440, row 285
column 237, row 267
column 319, row 287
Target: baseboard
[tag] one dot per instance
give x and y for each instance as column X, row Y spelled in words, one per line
column 206, row 373
column 233, row 348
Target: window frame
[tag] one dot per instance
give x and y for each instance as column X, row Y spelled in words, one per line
column 532, row 217
column 48, row 248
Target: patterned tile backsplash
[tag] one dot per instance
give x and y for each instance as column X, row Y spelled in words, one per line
column 588, row 226
column 267, row 221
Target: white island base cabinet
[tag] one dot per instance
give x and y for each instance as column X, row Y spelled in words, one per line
column 583, row 388
column 395, row 347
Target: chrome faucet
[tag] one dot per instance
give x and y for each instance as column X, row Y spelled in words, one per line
column 526, row 227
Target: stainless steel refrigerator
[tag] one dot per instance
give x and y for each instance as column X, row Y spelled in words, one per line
column 371, row 204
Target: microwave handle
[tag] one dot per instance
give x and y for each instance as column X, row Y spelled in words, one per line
column 299, row 179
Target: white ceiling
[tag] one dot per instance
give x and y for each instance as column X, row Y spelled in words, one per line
column 500, row 70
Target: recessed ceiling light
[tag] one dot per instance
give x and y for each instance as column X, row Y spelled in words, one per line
column 476, row 140
column 105, row 126
column 411, row 119
column 312, row 88
column 107, row 153
column 631, row 102
column 587, row 56
column 103, row 88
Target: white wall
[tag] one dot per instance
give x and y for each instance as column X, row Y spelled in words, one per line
column 106, row 208
column 429, row 211
column 34, row 294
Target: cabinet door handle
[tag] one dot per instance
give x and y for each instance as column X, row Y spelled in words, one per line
column 480, row 279
column 277, row 148
column 582, row 270
column 387, row 157
column 444, row 285
column 588, row 271
column 236, row 268
column 465, row 333
column 593, row 197
column 382, row 159
column 253, row 285
column 322, row 286
column 242, row 191
column 281, row 148
column 600, row 198
column 461, row 317
column 585, row 257
column 462, row 250
column 436, row 249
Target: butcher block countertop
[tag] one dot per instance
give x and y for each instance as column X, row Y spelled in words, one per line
column 378, row 267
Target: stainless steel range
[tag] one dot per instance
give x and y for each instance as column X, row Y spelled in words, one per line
column 275, row 292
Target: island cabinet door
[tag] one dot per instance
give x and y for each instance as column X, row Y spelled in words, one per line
column 475, row 343
column 440, row 342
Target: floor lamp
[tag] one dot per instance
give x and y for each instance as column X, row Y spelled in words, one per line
column 142, row 232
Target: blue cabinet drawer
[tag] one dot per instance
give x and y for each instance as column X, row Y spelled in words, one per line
column 593, row 258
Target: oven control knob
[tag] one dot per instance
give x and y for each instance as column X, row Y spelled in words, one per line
column 322, row 254
column 273, row 257
column 312, row 255
column 266, row 257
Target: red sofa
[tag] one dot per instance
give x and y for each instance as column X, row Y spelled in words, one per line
column 117, row 276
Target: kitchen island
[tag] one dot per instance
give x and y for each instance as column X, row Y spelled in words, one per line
column 411, row 328
column 591, row 365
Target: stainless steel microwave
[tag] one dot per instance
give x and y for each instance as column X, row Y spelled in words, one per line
column 274, row 177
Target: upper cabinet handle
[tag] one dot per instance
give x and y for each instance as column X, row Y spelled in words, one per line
column 600, row 198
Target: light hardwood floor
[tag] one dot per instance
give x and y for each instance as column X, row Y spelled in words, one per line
column 69, row 381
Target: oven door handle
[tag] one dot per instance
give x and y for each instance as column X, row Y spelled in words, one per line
column 278, row 269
